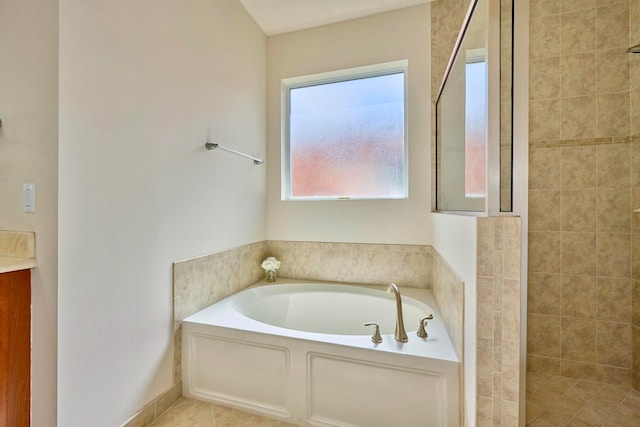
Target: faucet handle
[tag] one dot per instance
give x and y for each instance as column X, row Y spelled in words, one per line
column 376, row 338
column 422, row 331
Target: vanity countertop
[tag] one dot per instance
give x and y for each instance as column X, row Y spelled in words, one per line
column 17, row 250
column 9, row 264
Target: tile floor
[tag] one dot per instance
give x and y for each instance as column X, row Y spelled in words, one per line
column 193, row 413
column 551, row 402
column 557, row 401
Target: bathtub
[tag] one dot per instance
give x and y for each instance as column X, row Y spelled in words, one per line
column 297, row 351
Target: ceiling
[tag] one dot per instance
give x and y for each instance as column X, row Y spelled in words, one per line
column 282, row 16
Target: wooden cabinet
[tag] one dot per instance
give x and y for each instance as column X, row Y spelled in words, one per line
column 15, row 348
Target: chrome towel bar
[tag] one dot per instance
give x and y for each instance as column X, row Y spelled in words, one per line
column 213, row 146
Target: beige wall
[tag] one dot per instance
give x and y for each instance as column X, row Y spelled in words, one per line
column 29, row 154
column 580, row 211
column 402, row 34
column 142, row 85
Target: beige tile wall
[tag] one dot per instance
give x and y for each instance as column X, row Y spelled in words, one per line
column 448, row 290
column 580, row 191
column 499, row 239
column 634, row 39
column 201, row 281
column 415, row 266
column 405, row 265
column 580, row 260
column 498, row 321
column 635, row 261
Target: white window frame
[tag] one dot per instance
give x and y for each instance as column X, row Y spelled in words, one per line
column 288, row 84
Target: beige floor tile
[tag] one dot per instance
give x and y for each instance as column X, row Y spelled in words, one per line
column 596, row 412
column 553, row 417
column 556, row 402
column 229, row 417
column 564, row 402
column 534, row 410
column 194, row 413
column 186, row 413
column 612, row 393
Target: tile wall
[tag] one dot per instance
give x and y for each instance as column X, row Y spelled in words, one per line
column 498, row 321
column 448, row 290
column 498, row 252
column 201, row 281
column 635, row 249
column 583, row 113
column 634, row 39
column 405, row 265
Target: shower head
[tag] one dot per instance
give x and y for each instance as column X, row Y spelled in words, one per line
column 634, row 49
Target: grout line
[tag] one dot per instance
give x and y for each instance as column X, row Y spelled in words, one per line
column 617, row 407
column 586, row 403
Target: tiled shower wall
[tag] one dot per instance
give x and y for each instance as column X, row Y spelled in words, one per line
column 634, row 39
column 583, row 112
column 635, row 250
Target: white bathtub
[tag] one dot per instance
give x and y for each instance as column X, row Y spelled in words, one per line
column 298, row 351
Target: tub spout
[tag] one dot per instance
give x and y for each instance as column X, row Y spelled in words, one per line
column 401, row 334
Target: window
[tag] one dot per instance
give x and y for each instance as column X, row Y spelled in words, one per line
column 475, row 124
column 344, row 134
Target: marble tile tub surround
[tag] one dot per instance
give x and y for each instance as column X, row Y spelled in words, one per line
column 376, row 264
column 448, row 290
column 201, row 281
column 414, row 266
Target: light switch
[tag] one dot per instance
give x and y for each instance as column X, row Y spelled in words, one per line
column 29, row 193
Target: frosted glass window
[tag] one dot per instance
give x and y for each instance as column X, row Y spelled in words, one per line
column 346, row 138
column 475, row 130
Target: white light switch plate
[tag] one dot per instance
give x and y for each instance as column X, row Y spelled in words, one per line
column 29, row 193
